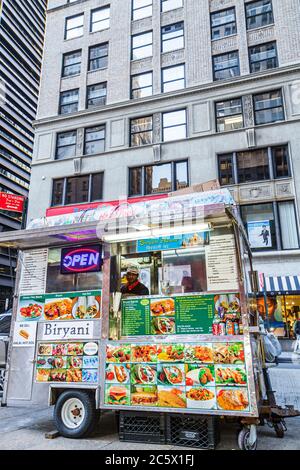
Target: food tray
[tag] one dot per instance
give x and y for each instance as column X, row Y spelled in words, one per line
column 135, row 426
column 197, row 431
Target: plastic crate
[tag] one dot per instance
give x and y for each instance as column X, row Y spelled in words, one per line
column 135, row 426
column 197, row 431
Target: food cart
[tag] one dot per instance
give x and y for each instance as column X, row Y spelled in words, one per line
column 188, row 347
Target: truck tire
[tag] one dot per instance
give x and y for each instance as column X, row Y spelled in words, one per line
column 75, row 414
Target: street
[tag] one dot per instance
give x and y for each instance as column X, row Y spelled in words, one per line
column 25, row 428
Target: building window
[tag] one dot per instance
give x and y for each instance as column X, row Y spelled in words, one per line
column 69, row 101
column 141, row 131
column 259, row 221
column 57, row 192
column 280, row 158
column 263, row 57
column 162, row 178
column 100, row 19
column 141, row 85
column 288, row 225
column 173, row 78
column 268, row 107
column 271, row 226
column 223, row 23
column 94, row 141
column 229, row 115
column 174, row 125
column 226, row 66
column 172, row 37
column 71, row 64
column 74, row 27
column 226, row 172
column 96, row 95
column 254, row 165
column 98, row 57
column 77, row 189
column 167, row 5
column 66, row 145
column 141, row 9
column 259, row 14
column 141, row 45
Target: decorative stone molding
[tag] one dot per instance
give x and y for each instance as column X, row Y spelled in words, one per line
column 172, row 16
column 156, row 128
column 220, row 4
column 248, row 111
column 141, row 26
column 80, row 142
column 173, row 58
column 140, row 66
column 258, row 192
column 261, row 35
column 157, row 153
column 77, row 166
column 251, row 138
column 224, row 45
column 284, row 189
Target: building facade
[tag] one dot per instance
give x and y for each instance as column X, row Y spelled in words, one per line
column 22, row 29
column 141, row 97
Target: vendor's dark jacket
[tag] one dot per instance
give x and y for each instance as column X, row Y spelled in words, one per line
column 138, row 289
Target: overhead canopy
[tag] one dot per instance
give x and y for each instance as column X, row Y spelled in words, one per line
column 140, row 217
column 282, row 284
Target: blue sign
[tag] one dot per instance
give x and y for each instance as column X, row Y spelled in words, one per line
column 173, row 242
column 85, row 259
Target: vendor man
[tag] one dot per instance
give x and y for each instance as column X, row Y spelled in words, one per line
column 134, row 286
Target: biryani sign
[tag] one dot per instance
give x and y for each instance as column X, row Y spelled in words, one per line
column 87, row 259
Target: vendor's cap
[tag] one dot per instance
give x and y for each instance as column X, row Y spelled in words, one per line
column 133, row 269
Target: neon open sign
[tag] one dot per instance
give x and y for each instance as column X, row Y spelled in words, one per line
column 86, row 259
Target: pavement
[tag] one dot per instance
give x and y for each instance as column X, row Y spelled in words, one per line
column 25, row 428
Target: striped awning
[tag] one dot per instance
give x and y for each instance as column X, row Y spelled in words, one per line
column 283, row 284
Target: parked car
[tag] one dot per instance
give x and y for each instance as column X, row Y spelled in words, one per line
column 5, row 322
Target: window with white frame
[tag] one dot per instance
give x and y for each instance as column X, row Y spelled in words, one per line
column 174, row 125
column 100, row 19
column 173, row 78
column 141, row 45
column 141, row 9
column 74, row 26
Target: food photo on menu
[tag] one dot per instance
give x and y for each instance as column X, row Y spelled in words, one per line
column 171, row 397
column 73, row 306
column 31, row 308
column 144, row 395
column 67, row 362
column 116, row 373
column 117, row 395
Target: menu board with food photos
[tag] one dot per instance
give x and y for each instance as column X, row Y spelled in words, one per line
column 193, row 376
column 64, row 306
column 67, row 362
column 185, row 314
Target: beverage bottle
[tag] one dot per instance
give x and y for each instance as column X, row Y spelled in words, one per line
column 229, row 327
column 222, row 328
column 215, row 326
column 236, row 327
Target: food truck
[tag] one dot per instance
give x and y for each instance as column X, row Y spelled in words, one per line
column 83, row 343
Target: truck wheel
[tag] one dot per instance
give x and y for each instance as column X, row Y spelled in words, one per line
column 244, row 440
column 75, row 414
column 279, row 429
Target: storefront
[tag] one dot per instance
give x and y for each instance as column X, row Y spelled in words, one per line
column 282, row 304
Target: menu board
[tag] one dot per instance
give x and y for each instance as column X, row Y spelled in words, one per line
column 55, row 307
column 67, row 362
column 191, row 314
column 34, row 272
column 194, row 376
column 221, row 263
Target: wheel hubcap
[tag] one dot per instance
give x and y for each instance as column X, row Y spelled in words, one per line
column 73, row 413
